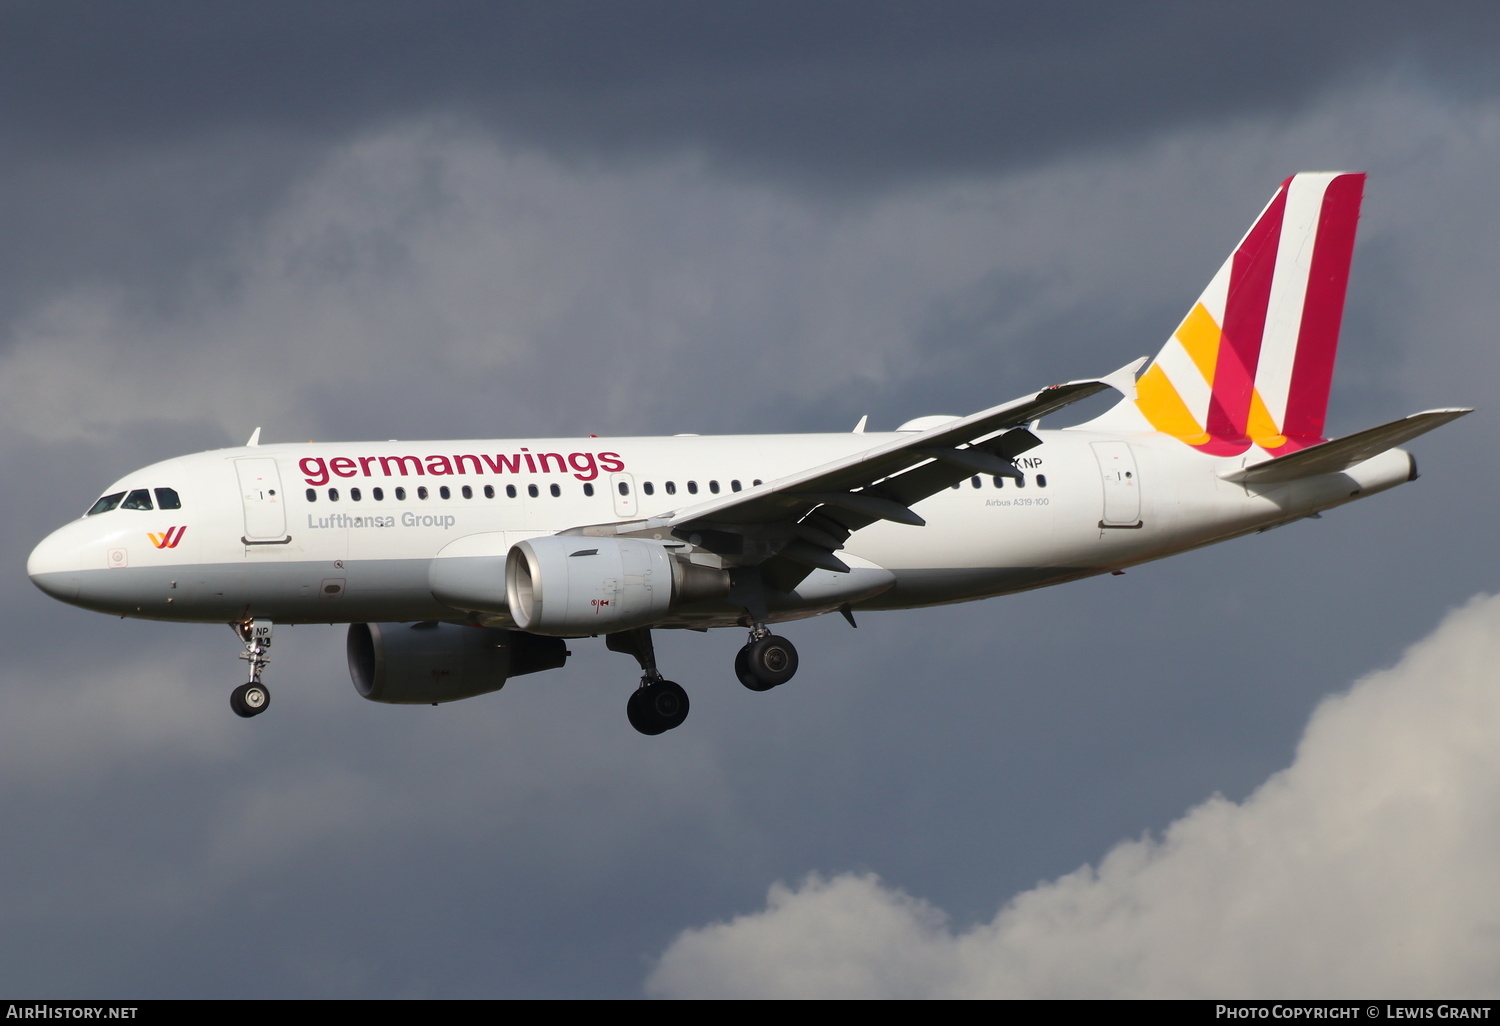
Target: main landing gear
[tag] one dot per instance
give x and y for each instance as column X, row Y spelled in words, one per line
column 766, row 661
column 253, row 698
column 659, row 705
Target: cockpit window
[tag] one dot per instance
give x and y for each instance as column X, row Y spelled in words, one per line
column 166, row 498
column 105, row 504
column 138, row 499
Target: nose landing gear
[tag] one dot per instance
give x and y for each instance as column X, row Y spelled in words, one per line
column 253, row 697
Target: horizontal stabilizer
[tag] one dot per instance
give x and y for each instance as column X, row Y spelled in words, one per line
column 1343, row 453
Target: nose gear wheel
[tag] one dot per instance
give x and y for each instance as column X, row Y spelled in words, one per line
column 249, row 699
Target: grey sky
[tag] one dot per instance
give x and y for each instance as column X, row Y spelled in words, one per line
column 412, row 220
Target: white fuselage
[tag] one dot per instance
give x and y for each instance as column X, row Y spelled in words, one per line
column 340, row 533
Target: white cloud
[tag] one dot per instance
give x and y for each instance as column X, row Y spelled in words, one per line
column 1366, row 868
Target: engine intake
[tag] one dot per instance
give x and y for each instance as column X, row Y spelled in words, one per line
column 569, row 586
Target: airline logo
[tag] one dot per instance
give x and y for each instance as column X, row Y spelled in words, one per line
column 168, row 540
column 1253, row 360
column 586, row 466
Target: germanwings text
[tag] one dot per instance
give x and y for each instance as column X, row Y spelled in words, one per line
column 583, row 465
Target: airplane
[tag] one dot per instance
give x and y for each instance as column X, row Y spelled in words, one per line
column 460, row 564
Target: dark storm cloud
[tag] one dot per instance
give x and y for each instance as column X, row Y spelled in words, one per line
column 857, row 90
column 136, row 133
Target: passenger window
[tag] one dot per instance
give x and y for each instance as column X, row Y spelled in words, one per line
column 624, row 488
column 671, row 487
column 166, row 498
column 510, row 491
column 377, row 494
column 756, row 483
column 354, row 494
column 312, row 495
column 138, row 499
column 734, row 486
column 692, row 487
column 999, row 481
column 1020, row 480
column 975, row 481
column 468, row 492
column 400, row 494
column 649, row 488
column 421, row 491
column 1041, row 480
column 489, row 491
column 105, row 504
column 556, row 490
column 444, row 493
column 531, row 491
column 333, row 495
column 588, row 489
column 713, row 486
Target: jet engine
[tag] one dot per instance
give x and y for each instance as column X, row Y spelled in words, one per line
column 428, row 663
column 570, row 586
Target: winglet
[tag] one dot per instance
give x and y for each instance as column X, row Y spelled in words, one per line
column 254, row 438
column 1123, row 380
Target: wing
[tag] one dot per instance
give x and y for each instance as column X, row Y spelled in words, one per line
column 795, row 524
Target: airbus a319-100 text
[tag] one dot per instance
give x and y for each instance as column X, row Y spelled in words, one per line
column 460, row 564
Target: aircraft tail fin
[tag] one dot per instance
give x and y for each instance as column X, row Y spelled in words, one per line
column 1252, row 362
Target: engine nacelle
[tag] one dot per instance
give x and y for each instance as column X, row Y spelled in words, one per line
column 568, row 585
column 428, row 663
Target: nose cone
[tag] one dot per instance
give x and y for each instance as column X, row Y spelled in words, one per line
column 55, row 566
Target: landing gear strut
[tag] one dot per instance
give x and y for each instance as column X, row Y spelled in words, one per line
column 766, row 661
column 658, row 705
column 252, row 698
